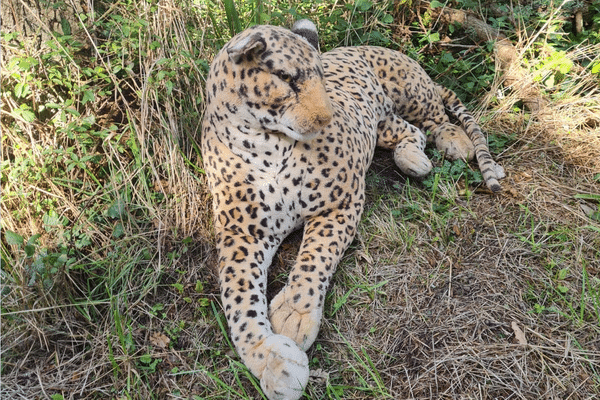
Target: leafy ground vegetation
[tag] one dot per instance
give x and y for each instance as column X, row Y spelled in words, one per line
column 107, row 283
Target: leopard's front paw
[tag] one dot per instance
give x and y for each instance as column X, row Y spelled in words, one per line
column 285, row 374
column 296, row 316
column 412, row 161
column 453, row 141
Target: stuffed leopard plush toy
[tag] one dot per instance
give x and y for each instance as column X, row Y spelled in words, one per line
column 287, row 137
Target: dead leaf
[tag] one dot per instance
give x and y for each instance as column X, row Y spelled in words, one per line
column 366, row 257
column 163, row 186
column 519, row 334
column 589, row 211
column 456, row 230
column 319, row 374
column 159, row 340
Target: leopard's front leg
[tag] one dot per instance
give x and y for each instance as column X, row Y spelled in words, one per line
column 275, row 359
column 408, row 143
column 297, row 309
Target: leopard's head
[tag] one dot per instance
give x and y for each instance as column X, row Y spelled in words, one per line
column 270, row 79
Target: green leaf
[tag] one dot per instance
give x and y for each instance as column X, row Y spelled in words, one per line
column 51, row 219
column 29, row 250
column 387, row 19
column 169, row 85
column 118, row 231
column 24, row 112
column 117, row 209
column 203, row 302
column 88, row 96
column 436, row 4
column 447, row 58
column 363, row 5
column 84, row 240
column 25, row 64
column 562, row 274
column 146, row 358
column 13, row 238
column 22, row 90
column 178, row 287
column 433, row 37
column 66, row 26
column 158, row 307
column 62, row 259
column 72, row 111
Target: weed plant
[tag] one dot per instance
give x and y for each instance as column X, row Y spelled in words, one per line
column 107, row 281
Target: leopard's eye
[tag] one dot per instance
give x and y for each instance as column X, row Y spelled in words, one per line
column 284, row 76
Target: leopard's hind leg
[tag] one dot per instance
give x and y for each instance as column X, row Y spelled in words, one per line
column 408, row 143
column 490, row 170
column 452, row 140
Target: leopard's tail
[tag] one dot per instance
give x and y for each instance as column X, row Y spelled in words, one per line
column 490, row 170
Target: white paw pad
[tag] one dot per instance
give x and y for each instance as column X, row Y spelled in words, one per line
column 286, row 371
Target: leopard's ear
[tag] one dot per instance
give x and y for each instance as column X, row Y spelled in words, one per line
column 308, row 30
column 247, row 48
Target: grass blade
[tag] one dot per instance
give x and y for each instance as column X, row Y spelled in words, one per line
column 233, row 18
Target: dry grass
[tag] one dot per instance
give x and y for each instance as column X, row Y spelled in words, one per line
column 452, row 297
column 442, row 325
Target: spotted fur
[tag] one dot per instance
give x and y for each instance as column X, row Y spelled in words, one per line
column 424, row 103
column 288, row 135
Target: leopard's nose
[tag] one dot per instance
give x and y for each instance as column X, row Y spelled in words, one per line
column 323, row 119
column 322, row 106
